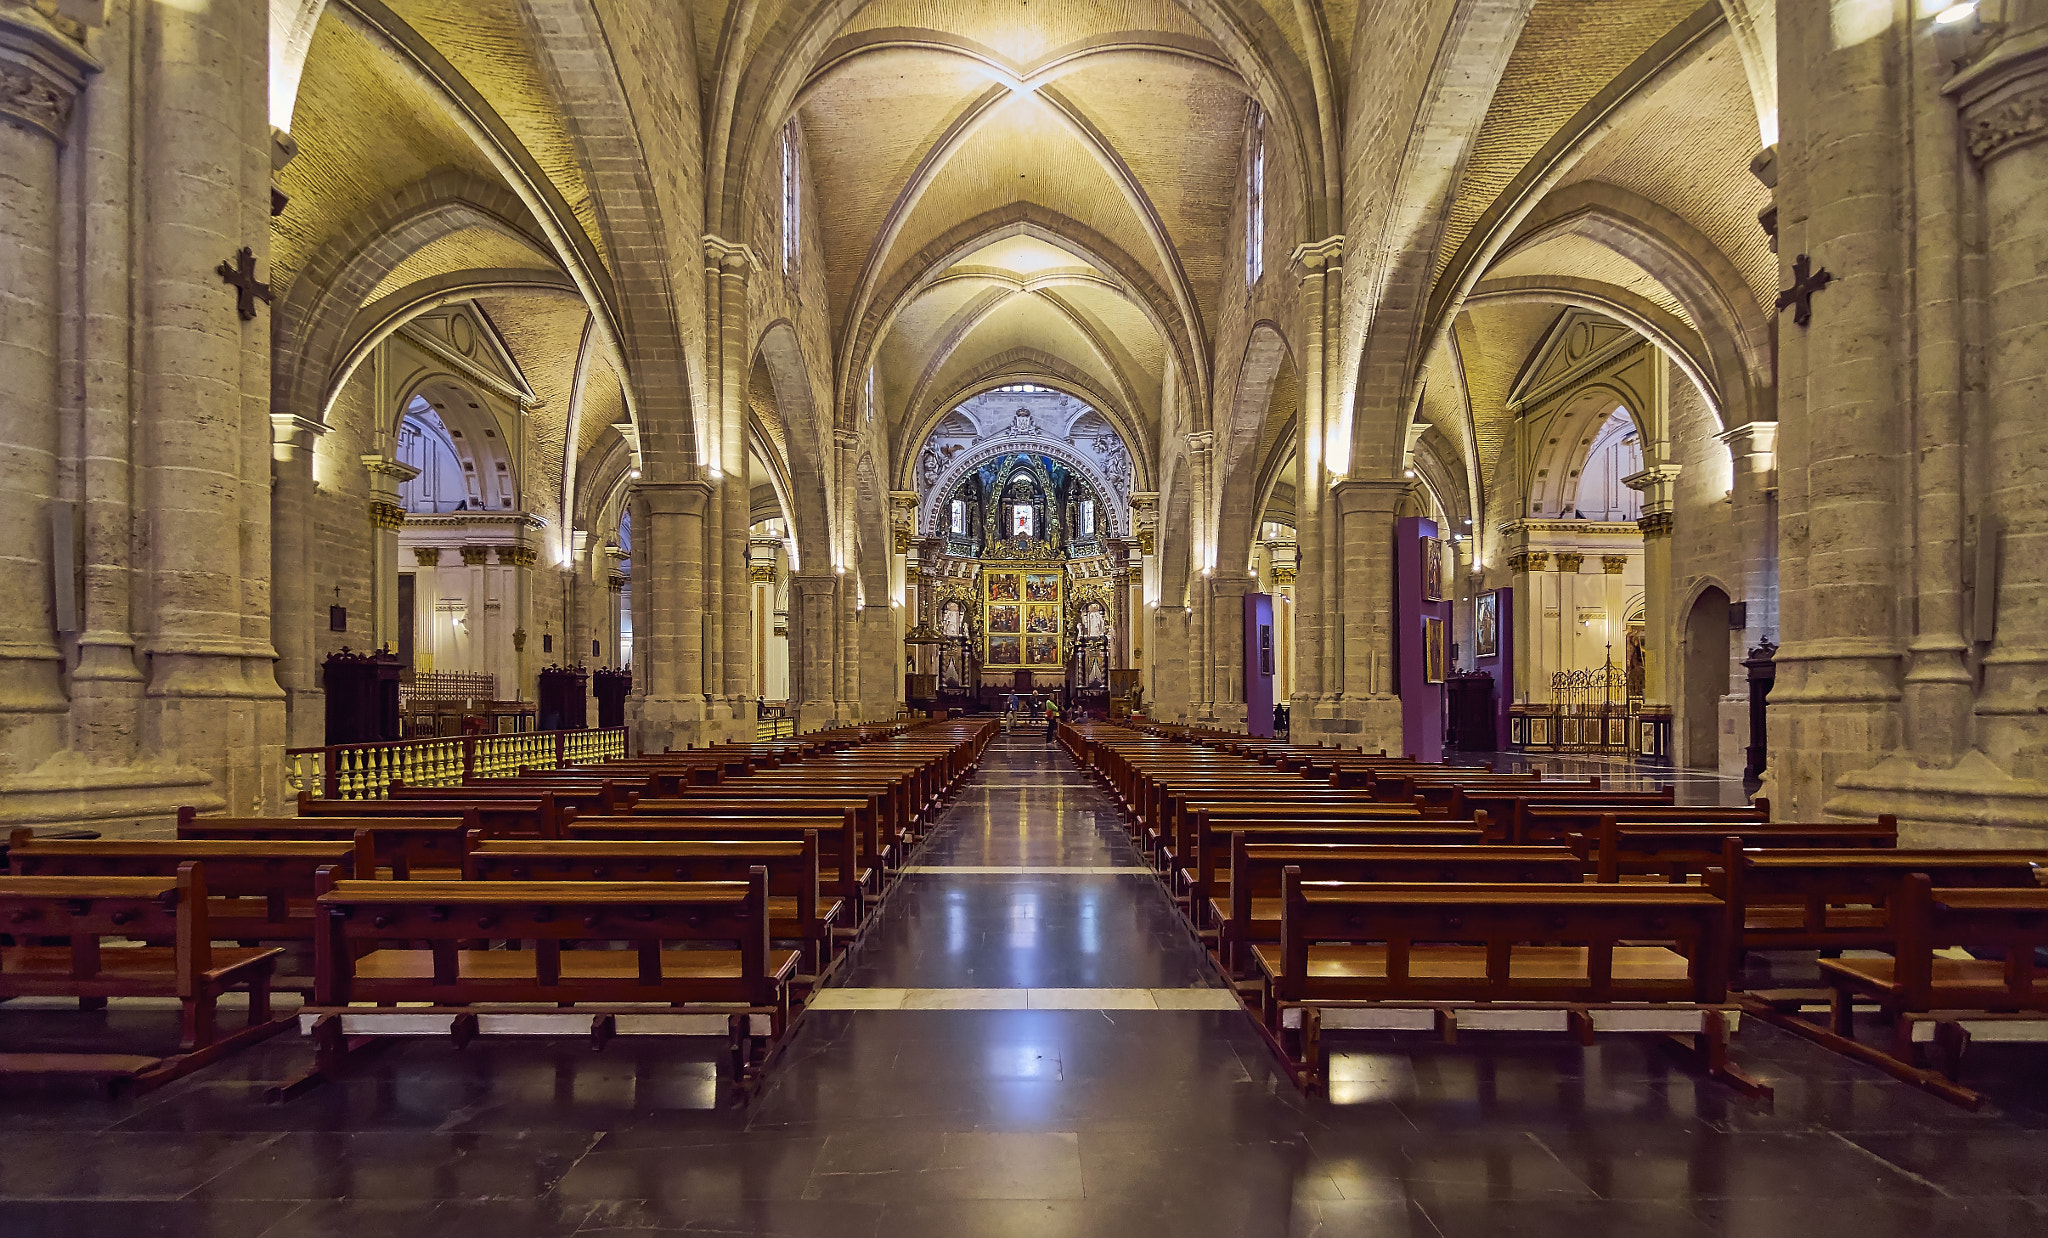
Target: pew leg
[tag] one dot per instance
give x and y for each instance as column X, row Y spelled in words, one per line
column 1950, row 1040
column 1903, row 1047
column 1842, row 1013
column 196, row 1030
column 259, row 999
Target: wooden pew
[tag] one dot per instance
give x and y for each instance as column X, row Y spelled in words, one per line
column 403, row 846
column 1208, row 875
column 587, row 796
column 531, row 816
column 794, row 905
column 1247, row 910
column 87, row 910
column 839, row 853
column 2001, row 993
column 1430, row 957
column 1808, row 899
column 1551, row 823
column 367, row 952
column 257, row 891
column 1678, row 851
column 1506, row 807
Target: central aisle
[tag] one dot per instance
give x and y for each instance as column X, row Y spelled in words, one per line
column 1028, row 893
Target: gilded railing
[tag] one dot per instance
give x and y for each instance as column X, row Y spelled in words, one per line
column 366, row 771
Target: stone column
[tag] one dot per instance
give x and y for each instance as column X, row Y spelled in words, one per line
column 291, row 549
column 668, row 603
column 518, row 562
column 1169, row 699
column 1321, row 269
column 2004, row 98
column 1568, row 564
column 762, row 553
column 1284, row 556
column 1841, row 162
column 735, row 265
column 387, row 517
column 813, row 596
column 1753, row 503
column 1227, row 591
column 881, row 663
column 1368, row 713
column 1530, row 573
column 614, row 648
column 41, row 76
column 1657, row 485
column 202, row 148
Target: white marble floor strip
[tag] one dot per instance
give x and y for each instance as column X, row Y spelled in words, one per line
column 1024, row 999
column 1022, row 870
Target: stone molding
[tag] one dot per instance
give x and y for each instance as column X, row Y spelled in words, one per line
column 42, row 73
column 1657, row 524
column 2004, row 97
column 675, row 498
column 518, row 556
column 615, row 582
column 721, row 253
column 1315, row 256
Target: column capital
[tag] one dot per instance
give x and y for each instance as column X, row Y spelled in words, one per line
column 1655, row 484
column 1202, row 441
column 1569, row 562
column 42, row 73
column 292, row 430
column 1359, row 494
column 387, row 474
column 1313, row 257
column 674, row 498
column 813, row 584
column 730, row 256
column 2004, row 97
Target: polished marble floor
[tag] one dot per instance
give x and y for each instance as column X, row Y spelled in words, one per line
column 1116, row 1111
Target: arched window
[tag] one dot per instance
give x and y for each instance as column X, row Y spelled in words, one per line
column 1255, row 197
column 446, row 482
column 791, row 204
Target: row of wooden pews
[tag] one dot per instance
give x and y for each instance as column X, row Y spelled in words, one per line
column 1351, row 891
column 699, row 892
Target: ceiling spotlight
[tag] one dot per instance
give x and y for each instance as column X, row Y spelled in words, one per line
column 1407, row 472
column 633, row 474
column 1956, row 13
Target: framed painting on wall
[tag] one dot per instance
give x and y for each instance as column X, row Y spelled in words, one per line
column 1265, row 649
column 1041, row 619
column 1041, row 651
column 1433, row 662
column 1005, row 651
column 1002, row 587
column 1486, row 624
column 1004, row 618
column 1039, row 588
column 1432, row 569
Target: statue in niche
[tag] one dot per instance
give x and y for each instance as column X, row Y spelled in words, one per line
column 953, row 626
column 928, row 466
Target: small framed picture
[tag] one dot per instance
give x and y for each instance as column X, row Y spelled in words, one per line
column 1432, row 569
column 1486, row 624
column 1265, row 649
column 1434, row 662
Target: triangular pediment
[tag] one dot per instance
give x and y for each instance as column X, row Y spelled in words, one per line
column 464, row 336
column 1579, row 342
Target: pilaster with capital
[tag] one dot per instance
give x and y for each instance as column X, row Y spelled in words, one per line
column 2003, row 99
column 42, row 74
column 1319, row 267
